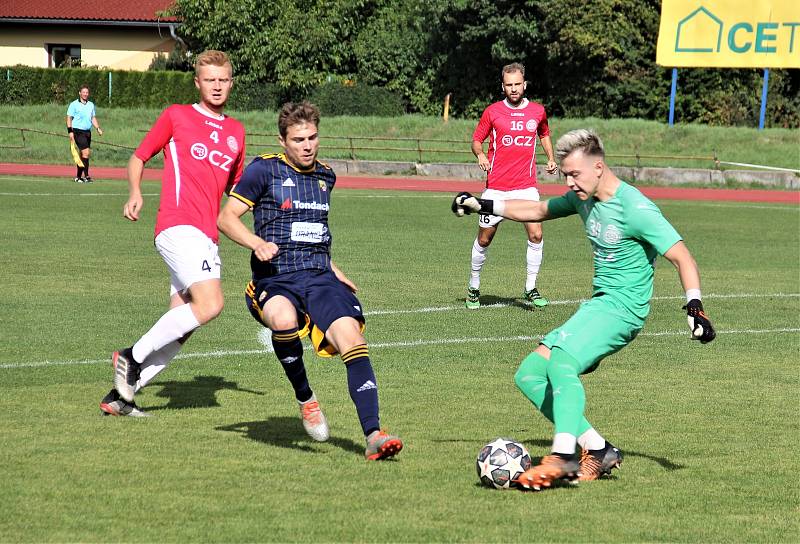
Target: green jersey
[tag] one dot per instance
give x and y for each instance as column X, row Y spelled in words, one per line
column 627, row 233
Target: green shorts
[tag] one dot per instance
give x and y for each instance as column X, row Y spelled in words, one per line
column 600, row 327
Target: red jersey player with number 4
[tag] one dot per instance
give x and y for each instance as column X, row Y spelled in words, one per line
column 203, row 157
column 513, row 126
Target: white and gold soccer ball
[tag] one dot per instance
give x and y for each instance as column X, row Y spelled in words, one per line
column 501, row 462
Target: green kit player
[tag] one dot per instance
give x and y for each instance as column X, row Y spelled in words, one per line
column 627, row 232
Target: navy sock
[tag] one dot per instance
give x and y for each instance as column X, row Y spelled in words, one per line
column 363, row 387
column 80, row 172
column 86, row 166
column 289, row 350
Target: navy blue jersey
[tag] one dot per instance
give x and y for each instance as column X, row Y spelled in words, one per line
column 290, row 208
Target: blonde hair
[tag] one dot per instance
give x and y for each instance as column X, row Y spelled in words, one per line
column 586, row 141
column 211, row 57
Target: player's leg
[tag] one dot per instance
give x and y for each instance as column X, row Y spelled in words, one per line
column 157, row 361
column 533, row 262
column 487, row 227
column 597, row 330
column 82, row 143
column 194, row 265
column 346, row 337
column 280, row 314
column 85, row 154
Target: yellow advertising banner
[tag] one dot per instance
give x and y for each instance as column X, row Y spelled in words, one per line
column 729, row 34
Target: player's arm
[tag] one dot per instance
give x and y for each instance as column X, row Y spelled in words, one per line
column 516, row 210
column 97, row 125
column 479, row 135
column 689, row 275
column 230, row 224
column 69, row 128
column 547, row 145
column 342, row 278
column 483, row 160
column 135, row 201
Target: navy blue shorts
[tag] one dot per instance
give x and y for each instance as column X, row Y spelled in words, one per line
column 317, row 294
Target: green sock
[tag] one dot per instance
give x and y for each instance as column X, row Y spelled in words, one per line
column 569, row 398
column 531, row 379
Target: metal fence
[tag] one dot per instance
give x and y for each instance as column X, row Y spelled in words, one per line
column 355, row 147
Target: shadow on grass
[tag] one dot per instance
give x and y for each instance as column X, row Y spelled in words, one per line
column 665, row 463
column 488, row 300
column 201, row 392
column 285, row 432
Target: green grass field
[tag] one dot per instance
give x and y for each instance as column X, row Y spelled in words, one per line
column 708, row 432
column 624, row 138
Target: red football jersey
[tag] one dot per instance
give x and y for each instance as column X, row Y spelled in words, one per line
column 512, row 145
column 203, row 156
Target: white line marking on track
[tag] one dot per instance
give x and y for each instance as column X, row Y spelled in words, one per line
column 264, row 338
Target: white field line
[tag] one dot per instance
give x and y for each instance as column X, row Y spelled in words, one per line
column 565, row 302
column 264, row 338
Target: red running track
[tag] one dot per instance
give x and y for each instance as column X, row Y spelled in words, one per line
column 435, row 185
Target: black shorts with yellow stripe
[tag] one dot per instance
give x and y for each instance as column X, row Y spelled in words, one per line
column 318, row 297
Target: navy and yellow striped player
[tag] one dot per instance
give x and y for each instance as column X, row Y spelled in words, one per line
column 296, row 289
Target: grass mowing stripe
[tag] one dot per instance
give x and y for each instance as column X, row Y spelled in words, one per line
column 264, row 338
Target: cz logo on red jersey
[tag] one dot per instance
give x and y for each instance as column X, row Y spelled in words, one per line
column 216, row 158
column 519, row 141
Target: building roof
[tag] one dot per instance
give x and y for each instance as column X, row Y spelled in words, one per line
column 86, row 10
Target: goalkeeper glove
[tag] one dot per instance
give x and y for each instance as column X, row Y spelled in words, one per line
column 465, row 204
column 699, row 324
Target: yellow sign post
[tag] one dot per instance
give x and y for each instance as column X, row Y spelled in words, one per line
column 729, row 34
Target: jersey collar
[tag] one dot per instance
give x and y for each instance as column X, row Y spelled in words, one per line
column 308, row 170
column 208, row 114
column 522, row 105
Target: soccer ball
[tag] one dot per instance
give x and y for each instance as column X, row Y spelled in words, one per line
column 501, row 462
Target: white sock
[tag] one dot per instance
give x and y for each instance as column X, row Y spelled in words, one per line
column 172, row 326
column 478, row 258
column 564, row 443
column 591, row 440
column 533, row 258
column 156, row 362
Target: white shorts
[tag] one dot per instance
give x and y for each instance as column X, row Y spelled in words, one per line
column 486, row 221
column 190, row 256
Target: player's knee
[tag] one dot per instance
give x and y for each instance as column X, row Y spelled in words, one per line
column 532, row 369
column 282, row 321
column 209, row 308
column 562, row 367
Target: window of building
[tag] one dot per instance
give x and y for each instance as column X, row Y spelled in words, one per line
column 60, row 55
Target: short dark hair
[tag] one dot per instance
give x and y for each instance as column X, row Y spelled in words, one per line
column 84, row 86
column 513, row 67
column 293, row 113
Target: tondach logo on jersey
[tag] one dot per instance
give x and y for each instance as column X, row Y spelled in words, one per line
column 288, row 204
column 703, row 31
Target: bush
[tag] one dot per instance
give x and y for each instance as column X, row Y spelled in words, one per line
column 253, row 95
column 363, row 100
column 127, row 89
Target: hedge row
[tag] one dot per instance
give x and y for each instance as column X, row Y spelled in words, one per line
column 23, row 85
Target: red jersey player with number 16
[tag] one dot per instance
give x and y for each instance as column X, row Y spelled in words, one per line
column 512, row 125
column 203, row 157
